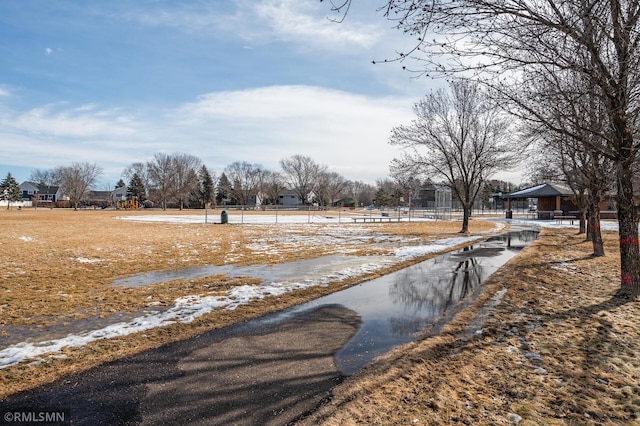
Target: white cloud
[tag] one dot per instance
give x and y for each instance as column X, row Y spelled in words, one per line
column 307, row 23
column 346, row 132
column 300, row 23
column 48, row 51
column 81, row 122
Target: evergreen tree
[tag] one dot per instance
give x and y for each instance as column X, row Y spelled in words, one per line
column 206, row 190
column 120, row 184
column 224, row 189
column 10, row 190
column 382, row 198
column 136, row 189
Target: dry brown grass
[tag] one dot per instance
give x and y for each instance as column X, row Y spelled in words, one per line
column 56, row 266
column 560, row 349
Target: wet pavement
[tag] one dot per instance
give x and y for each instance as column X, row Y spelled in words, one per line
column 223, row 377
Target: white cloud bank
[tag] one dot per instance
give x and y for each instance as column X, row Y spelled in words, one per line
column 347, row 132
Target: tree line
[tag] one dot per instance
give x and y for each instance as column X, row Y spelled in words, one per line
column 183, row 181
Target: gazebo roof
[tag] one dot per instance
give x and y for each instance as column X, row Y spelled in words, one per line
column 544, row 190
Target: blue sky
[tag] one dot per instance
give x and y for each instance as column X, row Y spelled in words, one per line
column 115, row 82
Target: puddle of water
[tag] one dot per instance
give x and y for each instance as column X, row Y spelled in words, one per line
column 395, row 307
column 297, row 271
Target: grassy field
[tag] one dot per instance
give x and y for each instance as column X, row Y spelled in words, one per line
column 56, row 267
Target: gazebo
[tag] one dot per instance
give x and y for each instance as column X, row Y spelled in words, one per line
column 553, row 199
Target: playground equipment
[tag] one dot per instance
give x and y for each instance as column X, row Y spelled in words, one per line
column 128, row 205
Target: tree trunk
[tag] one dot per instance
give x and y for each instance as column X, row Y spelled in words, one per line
column 594, row 228
column 583, row 222
column 628, row 232
column 466, row 214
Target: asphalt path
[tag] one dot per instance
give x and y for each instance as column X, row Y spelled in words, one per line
column 271, row 375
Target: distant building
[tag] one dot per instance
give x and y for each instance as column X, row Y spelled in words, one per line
column 289, row 198
column 43, row 193
column 550, row 198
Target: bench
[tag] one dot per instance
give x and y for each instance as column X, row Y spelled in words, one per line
column 375, row 219
column 559, row 219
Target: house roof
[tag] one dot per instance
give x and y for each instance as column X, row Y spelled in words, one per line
column 544, row 190
column 120, row 190
column 43, row 189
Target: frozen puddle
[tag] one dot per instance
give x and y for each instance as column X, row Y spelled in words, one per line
column 276, row 280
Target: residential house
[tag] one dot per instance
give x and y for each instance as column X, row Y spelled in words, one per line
column 289, row 198
column 45, row 194
column 119, row 194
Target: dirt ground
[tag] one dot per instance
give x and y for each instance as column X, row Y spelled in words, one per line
column 549, row 343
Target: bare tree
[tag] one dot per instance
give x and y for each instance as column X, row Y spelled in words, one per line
column 160, row 175
column 76, row 179
column 273, row 184
column 42, row 177
column 301, row 173
column 456, row 137
column 362, row 192
column 185, row 176
column 410, row 184
column 246, row 180
column 329, row 187
column 574, row 124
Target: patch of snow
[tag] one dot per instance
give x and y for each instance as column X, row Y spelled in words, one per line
column 25, row 238
column 85, row 260
column 604, row 225
column 406, row 253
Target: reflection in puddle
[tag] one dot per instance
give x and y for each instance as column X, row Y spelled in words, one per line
column 395, row 307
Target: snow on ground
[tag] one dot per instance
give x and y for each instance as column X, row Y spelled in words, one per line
column 188, row 308
column 604, row 225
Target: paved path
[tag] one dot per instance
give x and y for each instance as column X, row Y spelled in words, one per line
column 268, row 376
